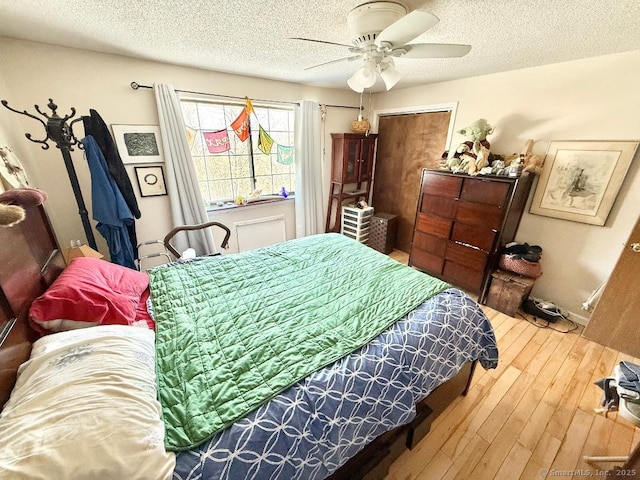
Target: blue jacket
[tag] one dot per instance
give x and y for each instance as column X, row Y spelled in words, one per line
column 109, row 207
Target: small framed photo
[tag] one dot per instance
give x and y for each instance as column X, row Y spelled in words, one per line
column 580, row 180
column 151, row 181
column 138, row 143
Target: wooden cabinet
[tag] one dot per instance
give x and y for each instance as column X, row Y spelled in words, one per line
column 463, row 222
column 352, row 158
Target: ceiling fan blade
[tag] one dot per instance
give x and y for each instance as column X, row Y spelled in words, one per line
column 345, row 59
column 407, row 28
column 320, row 41
column 435, row 50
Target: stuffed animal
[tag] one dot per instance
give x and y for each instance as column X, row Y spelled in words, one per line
column 11, row 211
column 472, row 155
column 10, row 215
column 527, row 160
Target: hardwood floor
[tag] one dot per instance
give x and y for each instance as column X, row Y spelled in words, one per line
column 533, row 413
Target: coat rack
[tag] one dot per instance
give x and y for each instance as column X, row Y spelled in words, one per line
column 61, row 132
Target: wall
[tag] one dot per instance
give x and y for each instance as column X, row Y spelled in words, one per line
column 34, row 72
column 592, row 99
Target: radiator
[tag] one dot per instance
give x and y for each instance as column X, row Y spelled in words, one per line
column 260, row 232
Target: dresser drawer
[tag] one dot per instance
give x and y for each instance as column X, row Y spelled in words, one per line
column 434, row 225
column 481, row 215
column 426, row 261
column 467, row 256
column 487, row 192
column 440, row 206
column 430, row 243
column 441, row 185
column 480, row 237
column 463, row 276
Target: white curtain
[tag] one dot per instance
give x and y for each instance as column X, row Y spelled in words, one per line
column 308, row 159
column 187, row 205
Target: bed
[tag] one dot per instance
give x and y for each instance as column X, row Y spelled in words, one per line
column 331, row 412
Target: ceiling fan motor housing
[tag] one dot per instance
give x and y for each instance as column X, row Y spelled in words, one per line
column 369, row 19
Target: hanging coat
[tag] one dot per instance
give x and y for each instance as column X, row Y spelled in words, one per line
column 94, row 125
column 109, row 207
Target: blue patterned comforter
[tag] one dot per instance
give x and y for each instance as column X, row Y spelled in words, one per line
column 311, row 429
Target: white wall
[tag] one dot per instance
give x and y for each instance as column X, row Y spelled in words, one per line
column 592, row 99
column 32, row 72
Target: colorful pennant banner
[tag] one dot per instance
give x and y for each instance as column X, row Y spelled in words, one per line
column 265, row 142
column 241, row 125
column 191, row 135
column 217, row 142
column 285, row 155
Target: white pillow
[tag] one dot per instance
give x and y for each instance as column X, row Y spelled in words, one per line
column 85, row 407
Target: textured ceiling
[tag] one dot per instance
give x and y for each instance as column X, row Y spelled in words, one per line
column 251, row 37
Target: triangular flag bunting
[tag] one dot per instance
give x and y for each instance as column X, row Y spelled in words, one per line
column 265, row 142
column 241, row 125
column 191, row 135
column 249, row 106
column 217, row 142
column 285, row 155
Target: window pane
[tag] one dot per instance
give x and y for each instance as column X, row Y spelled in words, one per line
column 197, row 146
column 263, row 117
column 240, row 166
column 190, row 114
column 279, row 120
column 242, row 187
column 211, row 117
column 218, row 168
column 262, row 164
column 221, row 190
column 199, row 164
column 280, row 181
column 265, row 183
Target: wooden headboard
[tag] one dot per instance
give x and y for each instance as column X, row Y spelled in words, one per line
column 30, row 260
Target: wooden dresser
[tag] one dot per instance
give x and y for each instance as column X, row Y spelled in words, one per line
column 463, row 222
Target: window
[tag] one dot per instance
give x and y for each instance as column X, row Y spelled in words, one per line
column 241, row 169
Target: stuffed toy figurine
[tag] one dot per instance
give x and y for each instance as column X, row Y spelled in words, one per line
column 527, row 160
column 10, row 215
column 472, row 155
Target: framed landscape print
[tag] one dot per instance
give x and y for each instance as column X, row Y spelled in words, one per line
column 581, row 179
column 138, row 143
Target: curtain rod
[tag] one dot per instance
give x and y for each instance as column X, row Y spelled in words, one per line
column 136, row 86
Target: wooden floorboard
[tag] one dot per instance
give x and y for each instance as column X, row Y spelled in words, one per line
column 534, row 413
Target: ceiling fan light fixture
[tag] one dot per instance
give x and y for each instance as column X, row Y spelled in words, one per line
column 365, row 77
column 390, row 76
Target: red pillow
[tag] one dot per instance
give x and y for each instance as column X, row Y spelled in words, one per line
column 92, row 292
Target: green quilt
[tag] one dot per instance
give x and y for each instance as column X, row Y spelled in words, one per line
column 235, row 330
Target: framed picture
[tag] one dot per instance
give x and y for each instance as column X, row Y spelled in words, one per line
column 138, row 143
column 151, row 181
column 581, row 179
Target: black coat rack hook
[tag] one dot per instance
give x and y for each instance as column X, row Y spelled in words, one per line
column 60, row 131
column 56, row 127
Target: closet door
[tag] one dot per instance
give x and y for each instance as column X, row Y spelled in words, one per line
column 406, row 144
column 615, row 321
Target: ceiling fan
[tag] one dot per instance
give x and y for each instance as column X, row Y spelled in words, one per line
column 380, row 32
